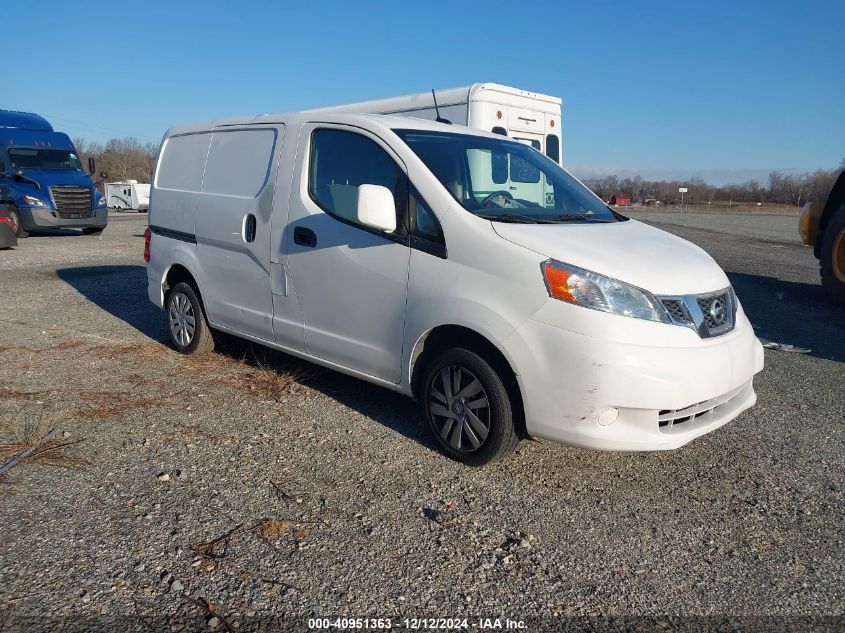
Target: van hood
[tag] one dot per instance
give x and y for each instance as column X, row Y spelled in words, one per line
column 629, row 251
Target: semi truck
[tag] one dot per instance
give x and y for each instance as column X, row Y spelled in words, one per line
column 822, row 226
column 41, row 178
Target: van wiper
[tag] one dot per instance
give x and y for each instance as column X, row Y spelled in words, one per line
column 516, row 219
column 577, row 217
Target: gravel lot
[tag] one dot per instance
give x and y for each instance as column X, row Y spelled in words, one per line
column 252, row 491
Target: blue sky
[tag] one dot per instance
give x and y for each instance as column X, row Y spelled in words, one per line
column 722, row 90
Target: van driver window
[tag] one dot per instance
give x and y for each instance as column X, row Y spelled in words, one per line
column 342, row 161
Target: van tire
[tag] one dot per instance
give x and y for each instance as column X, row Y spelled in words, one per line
column 20, row 233
column 832, row 258
column 200, row 341
column 470, row 369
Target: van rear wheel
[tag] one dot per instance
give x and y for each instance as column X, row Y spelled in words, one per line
column 189, row 332
column 468, row 408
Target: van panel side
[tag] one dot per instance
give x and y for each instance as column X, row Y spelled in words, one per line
column 235, row 260
column 177, row 181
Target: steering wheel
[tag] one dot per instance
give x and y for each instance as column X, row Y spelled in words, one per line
column 489, row 198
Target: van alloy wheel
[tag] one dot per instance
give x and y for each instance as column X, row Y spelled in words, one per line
column 182, row 319
column 460, row 409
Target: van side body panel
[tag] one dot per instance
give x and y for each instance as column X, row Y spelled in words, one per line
column 233, row 228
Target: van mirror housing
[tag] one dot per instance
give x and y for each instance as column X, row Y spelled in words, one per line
column 375, row 208
column 92, row 165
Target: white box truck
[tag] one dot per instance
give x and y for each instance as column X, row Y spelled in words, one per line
column 128, row 195
column 530, row 117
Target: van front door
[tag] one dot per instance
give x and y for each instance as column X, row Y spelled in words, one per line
column 233, row 229
column 351, row 281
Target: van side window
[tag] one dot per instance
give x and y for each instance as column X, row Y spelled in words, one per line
column 553, row 147
column 426, row 234
column 423, row 221
column 239, row 162
column 182, row 161
column 523, row 171
column 341, row 161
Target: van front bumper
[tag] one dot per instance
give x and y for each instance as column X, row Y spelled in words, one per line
column 34, row 218
column 596, row 393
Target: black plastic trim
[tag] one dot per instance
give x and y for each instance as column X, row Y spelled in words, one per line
column 176, row 235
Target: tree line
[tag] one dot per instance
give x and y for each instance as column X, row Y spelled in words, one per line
column 119, row 158
column 130, row 159
column 779, row 188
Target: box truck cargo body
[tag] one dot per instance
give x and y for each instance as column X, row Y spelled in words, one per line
column 530, row 117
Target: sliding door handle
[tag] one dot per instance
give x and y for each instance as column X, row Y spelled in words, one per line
column 248, row 228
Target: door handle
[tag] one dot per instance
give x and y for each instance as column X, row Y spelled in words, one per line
column 248, row 228
column 304, row 237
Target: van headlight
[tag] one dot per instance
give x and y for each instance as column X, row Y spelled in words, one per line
column 33, row 202
column 597, row 292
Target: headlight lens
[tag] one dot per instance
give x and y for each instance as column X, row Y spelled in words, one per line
column 33, row 202
column 101, row 202
column 597, row 292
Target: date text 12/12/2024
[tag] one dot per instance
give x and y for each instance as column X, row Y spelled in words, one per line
column 416, row 624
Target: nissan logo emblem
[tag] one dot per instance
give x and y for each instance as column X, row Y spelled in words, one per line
column 718, row 312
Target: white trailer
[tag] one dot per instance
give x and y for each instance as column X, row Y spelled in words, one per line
column 128, row 195
column 530, row 117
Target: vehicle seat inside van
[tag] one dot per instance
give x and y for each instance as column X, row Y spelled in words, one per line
column 344, row 199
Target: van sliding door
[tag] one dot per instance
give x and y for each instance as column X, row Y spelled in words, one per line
column 233, row 229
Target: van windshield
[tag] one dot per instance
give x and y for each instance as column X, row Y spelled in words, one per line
column 505, row 181
column 39, row 158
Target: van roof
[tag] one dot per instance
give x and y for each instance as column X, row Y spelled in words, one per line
column 369, row 121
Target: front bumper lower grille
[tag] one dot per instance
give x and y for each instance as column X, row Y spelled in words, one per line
column 72, row 202
column 701, row 412
column 709, row 314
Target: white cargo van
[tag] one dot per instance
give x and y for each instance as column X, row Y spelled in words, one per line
column 415, row 255
column 529, row 117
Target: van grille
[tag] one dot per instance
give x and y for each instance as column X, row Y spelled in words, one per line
column 710, row 314
column 703, row 411
column 72, row 202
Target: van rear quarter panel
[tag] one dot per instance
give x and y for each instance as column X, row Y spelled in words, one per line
column 178, row 178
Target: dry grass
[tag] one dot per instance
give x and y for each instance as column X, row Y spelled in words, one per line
column 268, row 382
column 10, row 393
column 274, row 528
column 60, row 346
column 117, row 403
column 147, row 350
column 49, row 453
column 68, row 344
column 216, row 548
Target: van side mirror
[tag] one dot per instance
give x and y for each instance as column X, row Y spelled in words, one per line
column 375, row 208
column 92, row 165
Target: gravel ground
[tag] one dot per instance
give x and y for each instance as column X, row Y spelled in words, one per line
column 251, row 491
column 782, row 228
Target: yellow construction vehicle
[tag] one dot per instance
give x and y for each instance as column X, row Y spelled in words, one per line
column 822, row 226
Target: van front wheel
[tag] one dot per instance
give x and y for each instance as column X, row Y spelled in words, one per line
column 468, row 408
column 189, row 332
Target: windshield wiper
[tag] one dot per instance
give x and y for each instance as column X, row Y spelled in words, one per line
column 577, row 217
column 516, row 219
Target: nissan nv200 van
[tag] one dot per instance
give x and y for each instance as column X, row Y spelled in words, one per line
column 459, row 267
